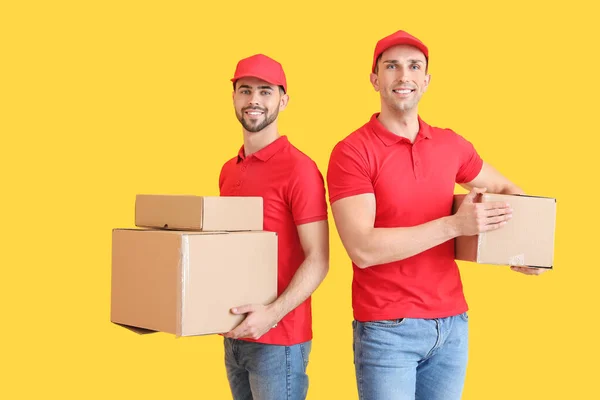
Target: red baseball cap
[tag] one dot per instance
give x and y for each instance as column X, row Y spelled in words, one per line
column 395, row 39
column 261, row 67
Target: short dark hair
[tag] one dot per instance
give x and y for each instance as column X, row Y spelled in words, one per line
column 281, row 89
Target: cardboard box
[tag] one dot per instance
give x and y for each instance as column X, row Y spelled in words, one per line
column 199, row 213
column 527, row 239
column 185, row 283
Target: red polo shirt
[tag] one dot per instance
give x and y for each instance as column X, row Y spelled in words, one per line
column 293, row 193
column 413, row 183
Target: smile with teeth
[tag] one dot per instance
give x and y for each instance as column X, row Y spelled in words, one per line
column 403, row 91
column 254, row 113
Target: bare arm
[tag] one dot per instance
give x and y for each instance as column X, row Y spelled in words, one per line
column 493, row 181
column 368, row 246
column 314, row 238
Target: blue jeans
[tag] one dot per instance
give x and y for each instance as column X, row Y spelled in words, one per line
column 259, row 371
column 411, row 359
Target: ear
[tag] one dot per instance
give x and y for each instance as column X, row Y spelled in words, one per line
column 283, row 102
column 374, row 81
column 426, row 82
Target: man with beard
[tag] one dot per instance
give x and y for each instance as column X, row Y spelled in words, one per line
column 391, row 186
column 267, row 354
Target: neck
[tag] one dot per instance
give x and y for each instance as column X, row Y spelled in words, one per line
column 401, row 123
column 255, row 141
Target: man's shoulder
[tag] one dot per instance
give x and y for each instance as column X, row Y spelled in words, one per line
column 359, row 135
column 359, row 140
column 229, row 163
column 298, row 157
column 438, row 130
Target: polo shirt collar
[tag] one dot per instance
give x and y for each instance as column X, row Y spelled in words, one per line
column 388, row 138
column 267, row 152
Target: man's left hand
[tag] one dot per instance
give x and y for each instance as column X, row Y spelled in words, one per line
column 260, row 320
column 529, row 270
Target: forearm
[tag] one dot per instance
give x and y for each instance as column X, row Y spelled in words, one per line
column 510, row 188
column 307, row 278
column 493, row 181
column 384, row 245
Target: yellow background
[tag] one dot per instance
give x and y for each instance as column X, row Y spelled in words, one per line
column 101, row 100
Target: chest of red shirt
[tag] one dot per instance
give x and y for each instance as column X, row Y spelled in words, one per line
column 251, row 177
column 413, row 183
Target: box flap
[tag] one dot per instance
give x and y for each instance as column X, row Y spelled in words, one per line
column 135, row 329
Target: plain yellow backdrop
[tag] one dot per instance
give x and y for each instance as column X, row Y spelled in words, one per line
column 101, row 100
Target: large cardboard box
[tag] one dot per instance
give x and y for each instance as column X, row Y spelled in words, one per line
column 185, row 283
column 527, row 239
column 199, row 213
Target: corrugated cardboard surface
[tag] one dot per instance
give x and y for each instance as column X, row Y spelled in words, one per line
column 185, row 283
column 145, row 275
column 526, row 239
column 199, row 213
column 168, row 211
column 233, row 213
column 226, row 271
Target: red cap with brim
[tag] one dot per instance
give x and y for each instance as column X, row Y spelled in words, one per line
column 395, row 39
column 261, row 67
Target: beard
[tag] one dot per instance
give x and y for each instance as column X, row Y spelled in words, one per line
column 258, row 124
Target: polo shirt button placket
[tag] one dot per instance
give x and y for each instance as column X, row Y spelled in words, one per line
column 236, row 188
column 245, row 165
column 243, row 169
column 416, row 164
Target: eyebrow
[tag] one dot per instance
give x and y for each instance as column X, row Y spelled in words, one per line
column 413, row 61
column 258, row 87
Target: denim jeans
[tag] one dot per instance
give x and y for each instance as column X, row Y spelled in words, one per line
column 259, row 371
column 411, row 359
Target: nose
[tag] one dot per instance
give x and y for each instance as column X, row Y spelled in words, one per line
column 253, row 100
column 402, row 73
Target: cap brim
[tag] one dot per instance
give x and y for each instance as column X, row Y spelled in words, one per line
column 258, row 76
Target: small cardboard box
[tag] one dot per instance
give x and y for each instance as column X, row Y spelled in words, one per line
column 186, row 283
column 199, row 213
column 527, row 239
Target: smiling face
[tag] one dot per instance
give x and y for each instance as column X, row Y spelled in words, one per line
column 401, row 77
column 257, row 103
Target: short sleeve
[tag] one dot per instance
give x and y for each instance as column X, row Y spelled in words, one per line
column 307, row 193
column 348, row 173
column 470, row 163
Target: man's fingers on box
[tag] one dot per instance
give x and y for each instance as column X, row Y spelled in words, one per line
column 497, row 220
column 491, row 227
column 499, row 211
column 496, row 204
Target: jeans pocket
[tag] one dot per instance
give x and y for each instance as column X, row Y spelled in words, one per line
column 464, row 316
column 385, row 323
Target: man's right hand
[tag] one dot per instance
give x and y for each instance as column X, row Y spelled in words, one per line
column 473, row 218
